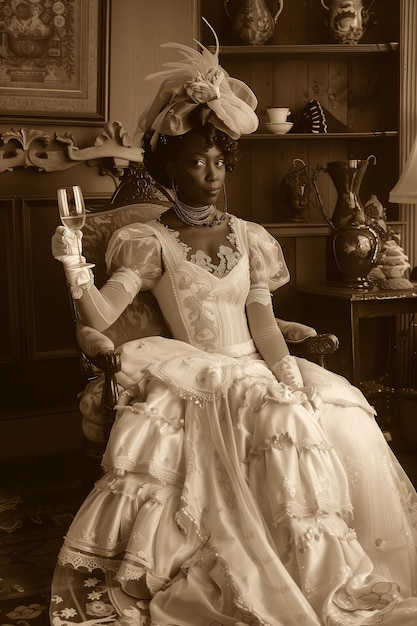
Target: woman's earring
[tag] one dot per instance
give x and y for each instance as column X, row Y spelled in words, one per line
column 225, row 199
column 174, row 189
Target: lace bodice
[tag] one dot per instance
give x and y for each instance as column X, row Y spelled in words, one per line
column 203, row 303
column 228, row 255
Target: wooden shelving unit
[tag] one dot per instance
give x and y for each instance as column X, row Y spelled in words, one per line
column 357, row 84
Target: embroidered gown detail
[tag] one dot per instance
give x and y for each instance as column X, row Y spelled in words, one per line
column 226, row 498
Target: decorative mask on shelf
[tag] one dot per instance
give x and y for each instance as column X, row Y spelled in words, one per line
column 347, row 20
column 252, row 22
column 355, row 243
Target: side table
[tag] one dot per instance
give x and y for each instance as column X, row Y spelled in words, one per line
column 361, row 303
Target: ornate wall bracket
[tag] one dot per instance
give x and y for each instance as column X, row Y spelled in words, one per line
column 112, row 151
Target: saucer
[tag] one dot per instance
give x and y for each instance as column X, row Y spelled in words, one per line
column 279, row 128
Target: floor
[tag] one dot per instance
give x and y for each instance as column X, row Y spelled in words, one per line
column 39, row 497
column 50, row 473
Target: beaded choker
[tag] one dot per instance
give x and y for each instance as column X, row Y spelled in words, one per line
column 197, row 216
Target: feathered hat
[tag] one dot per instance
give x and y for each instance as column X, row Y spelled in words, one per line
column 199, row 81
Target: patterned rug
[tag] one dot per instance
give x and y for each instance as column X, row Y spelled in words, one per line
column 32, row 527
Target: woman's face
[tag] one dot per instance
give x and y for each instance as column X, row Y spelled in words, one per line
column 198, row 172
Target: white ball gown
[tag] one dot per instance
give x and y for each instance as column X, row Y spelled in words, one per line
column 226, row 499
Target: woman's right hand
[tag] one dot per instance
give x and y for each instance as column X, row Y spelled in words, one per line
column 66, row 247
column 65, row 244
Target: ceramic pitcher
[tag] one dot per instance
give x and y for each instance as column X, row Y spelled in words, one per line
column 253, row 22
column 355, row 243
column 347, row 178
column 347, row 19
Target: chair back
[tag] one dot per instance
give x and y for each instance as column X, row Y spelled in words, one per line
column 135, row 202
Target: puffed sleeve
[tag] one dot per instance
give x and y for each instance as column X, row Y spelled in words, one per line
column 135, row 248
column 268, row 269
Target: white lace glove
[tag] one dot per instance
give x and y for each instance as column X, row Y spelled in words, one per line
column 66, row 248
column 287, row 371
column 66, row 242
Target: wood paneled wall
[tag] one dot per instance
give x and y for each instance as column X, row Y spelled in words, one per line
column 39, row 370
column 138, row 28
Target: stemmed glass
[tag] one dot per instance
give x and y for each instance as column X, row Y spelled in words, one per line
column 72, row 213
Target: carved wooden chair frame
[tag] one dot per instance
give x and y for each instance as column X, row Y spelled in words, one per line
column 136, row 198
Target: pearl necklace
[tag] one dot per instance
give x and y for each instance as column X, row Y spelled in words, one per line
column 197, row 216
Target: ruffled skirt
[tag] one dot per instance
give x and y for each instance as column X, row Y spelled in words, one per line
column 229, row 500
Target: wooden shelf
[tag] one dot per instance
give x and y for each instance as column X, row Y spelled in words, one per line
column 306, row 50
column 298, row 229
column 357, row 86
column 307, row 229
column 320, row 136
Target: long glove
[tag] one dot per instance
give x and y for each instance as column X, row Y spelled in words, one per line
column 287, row 371
column 66, row 247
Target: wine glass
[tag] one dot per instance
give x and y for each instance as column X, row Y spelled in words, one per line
column 72, row 213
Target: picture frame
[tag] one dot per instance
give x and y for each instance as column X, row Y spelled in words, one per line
column 54, row 61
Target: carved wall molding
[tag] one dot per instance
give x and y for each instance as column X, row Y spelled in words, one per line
column 112, row 150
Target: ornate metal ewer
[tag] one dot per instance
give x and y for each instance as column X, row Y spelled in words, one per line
column 253, row 22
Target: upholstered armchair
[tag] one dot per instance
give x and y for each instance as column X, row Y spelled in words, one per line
column 139, row 199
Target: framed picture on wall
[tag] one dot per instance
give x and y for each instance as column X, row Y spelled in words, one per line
column 54, row 61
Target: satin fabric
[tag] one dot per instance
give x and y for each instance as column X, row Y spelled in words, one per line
column 227, row 499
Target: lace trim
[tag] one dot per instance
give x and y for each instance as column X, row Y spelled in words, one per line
column 288, row 372
column 129, row 571
column 316, row 532
column 261, row 295
column 198, row 396
column 140, row 408
column 155, row 583
column 187, row 516
column 323, row 506
column 117, row 485
column 125, row 570
column 228, row 256
column 78, row 290
column 228, row 259
column 279, row 442
column 164, row 476
column 121, row 465
column 129, row 279
column 79, row 560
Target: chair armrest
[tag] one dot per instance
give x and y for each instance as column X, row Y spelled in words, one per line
column 305, row 341
column 320, row 346
column 91, row 341
column 295, row 332
column 98, row 351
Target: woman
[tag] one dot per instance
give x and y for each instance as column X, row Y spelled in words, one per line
column 242, row 486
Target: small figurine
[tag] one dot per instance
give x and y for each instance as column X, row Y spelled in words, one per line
column 295, row 187
column 392, row 262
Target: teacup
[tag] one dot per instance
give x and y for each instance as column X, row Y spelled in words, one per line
column 278, row 114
